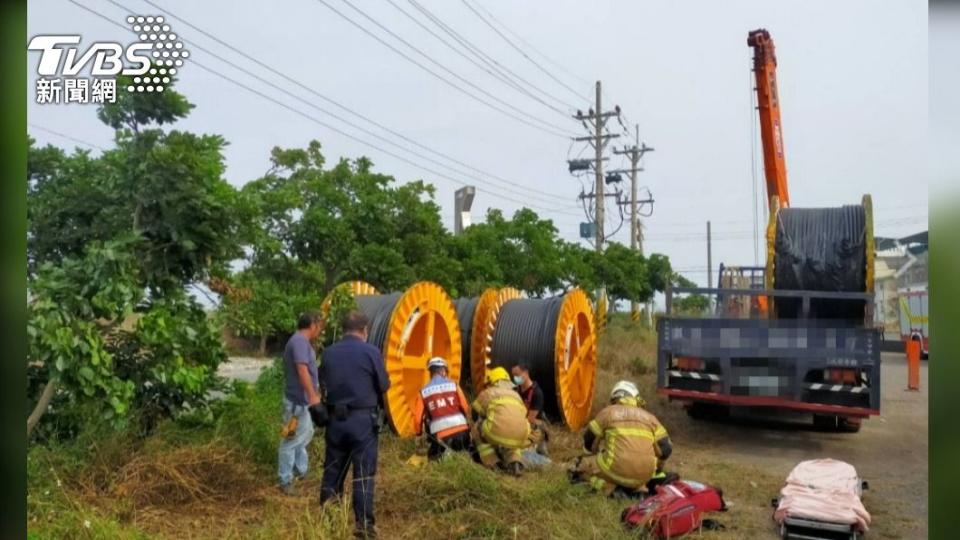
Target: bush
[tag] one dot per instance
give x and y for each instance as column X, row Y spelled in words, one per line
column 251, row 417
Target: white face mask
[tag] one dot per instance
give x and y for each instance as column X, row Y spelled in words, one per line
column 518, row 380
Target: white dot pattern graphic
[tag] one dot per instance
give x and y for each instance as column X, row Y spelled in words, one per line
column 166, row 51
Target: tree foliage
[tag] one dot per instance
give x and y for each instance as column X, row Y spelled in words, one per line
column 166, row 188
column 113, row 242
column 345, row 222
column 72, row 308
column 690, row 303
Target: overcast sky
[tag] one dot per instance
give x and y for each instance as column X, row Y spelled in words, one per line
column 852, row 75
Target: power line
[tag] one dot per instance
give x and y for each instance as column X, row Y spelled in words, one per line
column 508, row 185
column 68, row 137
column 558, row 133
column 519, row 38
column 322, row 123
column 486, row 58
column 494, row 74
column 521, row 51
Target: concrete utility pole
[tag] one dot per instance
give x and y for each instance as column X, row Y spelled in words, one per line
column 598, row 121
column 634, row 153
column 709, row 260
column 598, row 169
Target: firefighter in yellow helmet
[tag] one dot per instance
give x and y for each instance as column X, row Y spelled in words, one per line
column 627, row 445
column 501, row 430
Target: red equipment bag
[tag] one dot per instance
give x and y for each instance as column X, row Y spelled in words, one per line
column 675, row 509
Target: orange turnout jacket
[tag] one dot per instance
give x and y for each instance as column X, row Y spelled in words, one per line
column 504, row 417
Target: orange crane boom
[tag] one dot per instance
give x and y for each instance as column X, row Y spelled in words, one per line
column 768, row 104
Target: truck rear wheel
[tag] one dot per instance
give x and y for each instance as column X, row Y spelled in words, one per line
column 708, row 411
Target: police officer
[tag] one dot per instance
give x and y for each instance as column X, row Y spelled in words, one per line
column 353, row 374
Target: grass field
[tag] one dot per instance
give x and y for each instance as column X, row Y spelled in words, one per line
column 217, row 480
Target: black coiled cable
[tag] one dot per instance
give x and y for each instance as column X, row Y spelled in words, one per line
column 526, row 333
column 466, row 307
column 378, row 308
column 821, row 249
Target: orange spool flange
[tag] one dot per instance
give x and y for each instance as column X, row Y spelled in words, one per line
column 575, row 359
column 355, row 287
column 422, row 324
column 484, row 324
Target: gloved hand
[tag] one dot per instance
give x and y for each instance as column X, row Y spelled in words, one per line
column 319, row 414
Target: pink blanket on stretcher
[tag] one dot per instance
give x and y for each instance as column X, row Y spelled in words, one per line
column 824, row 490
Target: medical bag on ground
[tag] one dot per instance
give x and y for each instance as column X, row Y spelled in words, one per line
column 675, row 509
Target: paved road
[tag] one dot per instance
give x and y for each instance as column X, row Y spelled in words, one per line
column 243, row 368
column 890, row 451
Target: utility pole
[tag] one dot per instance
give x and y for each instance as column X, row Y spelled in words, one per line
column 598, row 169
column 634, row 153
column 597, row 121
column 709, row 260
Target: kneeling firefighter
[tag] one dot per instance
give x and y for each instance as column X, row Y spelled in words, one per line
column 502, row 429
column 442, row 406
column 627, row 445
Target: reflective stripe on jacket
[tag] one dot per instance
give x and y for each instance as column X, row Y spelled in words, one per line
column 504, row 417
column 626, row 441
column 443, row 404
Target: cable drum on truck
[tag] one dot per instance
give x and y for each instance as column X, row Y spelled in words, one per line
column 823, row 249
column 556, row 337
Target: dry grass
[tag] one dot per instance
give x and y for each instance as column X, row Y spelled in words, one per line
column 208, row 472
column 221, row 483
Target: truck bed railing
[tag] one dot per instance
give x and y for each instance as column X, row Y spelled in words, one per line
column 718, row 295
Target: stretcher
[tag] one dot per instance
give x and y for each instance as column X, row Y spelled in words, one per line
column 821, row 501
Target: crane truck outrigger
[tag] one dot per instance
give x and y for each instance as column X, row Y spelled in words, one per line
column 794, row 334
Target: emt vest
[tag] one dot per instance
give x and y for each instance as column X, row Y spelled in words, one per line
column 442, row 405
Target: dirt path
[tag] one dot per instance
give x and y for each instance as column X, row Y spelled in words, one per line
column 890, row 451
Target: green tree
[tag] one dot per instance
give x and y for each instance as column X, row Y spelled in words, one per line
column 256, row 304
column 71, row 309
column 689, row 303
column 113, row 241
column 167, row 188
column 522, row 252
column 347, row 222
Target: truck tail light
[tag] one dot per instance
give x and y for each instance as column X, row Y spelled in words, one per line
column 841, row 376
column 688, row 363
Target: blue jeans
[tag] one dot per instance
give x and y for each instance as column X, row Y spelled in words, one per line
column 293, row 452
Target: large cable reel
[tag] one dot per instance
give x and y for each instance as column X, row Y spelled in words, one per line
column 478, row 319
column 557, row 338
column 821, row 249
column 409, row 328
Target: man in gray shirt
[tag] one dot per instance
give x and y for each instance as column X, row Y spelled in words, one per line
column 301, row 390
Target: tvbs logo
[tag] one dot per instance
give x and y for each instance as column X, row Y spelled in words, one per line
column 107, row 58
column 151, row 61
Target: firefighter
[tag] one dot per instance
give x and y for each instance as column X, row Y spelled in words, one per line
column 442, row 406
column 502, row 429
column 627, row 445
